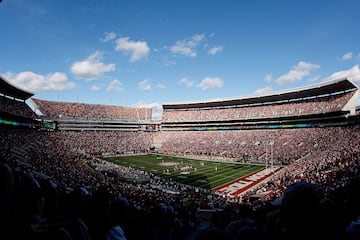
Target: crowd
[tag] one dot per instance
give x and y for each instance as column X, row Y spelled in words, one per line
column 15, row 107
column 53, row 109
column 55, row 170
column 49, row 171
column 281, row 146
column 53, row 186
column 284, row 109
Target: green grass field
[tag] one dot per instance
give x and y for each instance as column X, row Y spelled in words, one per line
column 199, row 173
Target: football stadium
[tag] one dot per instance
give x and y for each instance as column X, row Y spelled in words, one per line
column 278, row 166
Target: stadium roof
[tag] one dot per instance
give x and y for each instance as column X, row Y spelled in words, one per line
column 326, row 88
column 10, row 90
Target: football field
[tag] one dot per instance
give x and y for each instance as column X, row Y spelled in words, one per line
column 199, row 173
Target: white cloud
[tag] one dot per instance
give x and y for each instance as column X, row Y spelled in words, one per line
column 299, row 71
column 347, row 56
column 263, row 91
column 215, row 50
column 94, row 88
column 314, row 79
column 30, row 81
column 156, row 109
column 211, row 82
column 91, row 68
column 180, row 48
column 268, row 78
column 352, row 74
column 169, row 62
column 161, row 86
column 185, row 81
column 149, row 105
column 137, row 50
column 115, row 85
column 186, row 47
column 145, row 85
column 196, row 39
column 336, row 75
column 108, row 36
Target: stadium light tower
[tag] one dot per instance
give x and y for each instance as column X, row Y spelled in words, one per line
column 266, row 155
column 272, row 154
column 271, row 150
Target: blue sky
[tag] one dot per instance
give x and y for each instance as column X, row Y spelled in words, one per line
column 142, row 52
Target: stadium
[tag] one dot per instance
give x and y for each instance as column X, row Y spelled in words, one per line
column 182, row 171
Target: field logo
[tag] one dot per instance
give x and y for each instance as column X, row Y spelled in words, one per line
column 243, row 184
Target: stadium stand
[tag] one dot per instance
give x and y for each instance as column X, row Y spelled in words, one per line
column 52, row 109
column 54, row 186
column 81, row 116
column 322, row 103
column 13, row 108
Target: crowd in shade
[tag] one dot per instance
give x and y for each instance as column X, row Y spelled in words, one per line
column 15, row 107
column 53, row 186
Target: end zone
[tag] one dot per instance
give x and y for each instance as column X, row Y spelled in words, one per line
column 243, row 184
